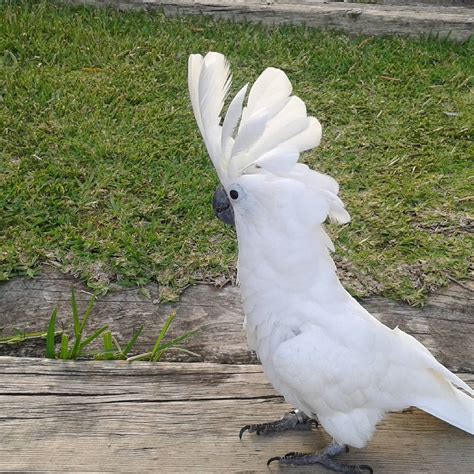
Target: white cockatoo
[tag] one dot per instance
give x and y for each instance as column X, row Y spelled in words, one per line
column 329, row 358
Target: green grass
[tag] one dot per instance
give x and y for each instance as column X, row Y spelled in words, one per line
column 103, row 173
column 75, row 346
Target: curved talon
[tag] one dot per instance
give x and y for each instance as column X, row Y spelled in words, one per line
column 275, row 458
column 243, row 430
column 366, row 467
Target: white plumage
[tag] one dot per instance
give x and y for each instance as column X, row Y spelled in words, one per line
column 319, row 348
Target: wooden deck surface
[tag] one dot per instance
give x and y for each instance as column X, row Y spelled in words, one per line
column 183, row 417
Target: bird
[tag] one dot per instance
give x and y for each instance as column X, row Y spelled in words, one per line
column 336, row 364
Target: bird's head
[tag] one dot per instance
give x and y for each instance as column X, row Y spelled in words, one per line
column 289, row 204
column 256, row 147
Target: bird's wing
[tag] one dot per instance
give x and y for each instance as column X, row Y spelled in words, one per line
column 358, row 370
column 324, row 375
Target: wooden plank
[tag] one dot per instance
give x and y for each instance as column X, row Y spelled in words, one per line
column 427, row 3
column 171, row 417
column 454, row 22
column 461, row 3
column 445, row 325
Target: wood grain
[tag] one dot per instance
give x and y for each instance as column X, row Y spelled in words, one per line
column 454, row 22
column 172, row 417
column 445, row 325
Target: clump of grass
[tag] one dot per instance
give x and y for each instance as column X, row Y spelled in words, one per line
column 103, row 172
column 160, row 348
column 75, row 347
column 80, row 342
column 112, row 348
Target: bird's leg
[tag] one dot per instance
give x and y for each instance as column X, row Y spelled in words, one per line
column 325, row 458
column 293, row 420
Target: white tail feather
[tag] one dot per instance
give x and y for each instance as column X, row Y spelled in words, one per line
column 452, row 406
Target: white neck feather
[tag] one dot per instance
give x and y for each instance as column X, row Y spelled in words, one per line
column 280, row 260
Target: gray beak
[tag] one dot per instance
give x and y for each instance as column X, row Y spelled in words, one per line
column 222, row 207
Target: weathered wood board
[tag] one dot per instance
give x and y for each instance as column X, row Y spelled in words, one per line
column 454, row 22
column 445, row 324
column 172, row 417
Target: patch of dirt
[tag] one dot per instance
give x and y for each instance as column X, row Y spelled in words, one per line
column 360, row 282
column 421, row 275
column 447, row 224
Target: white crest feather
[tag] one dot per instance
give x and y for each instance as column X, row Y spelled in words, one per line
column 234, row 112
column 272, row 87
column 268, row 133
column 279, row 161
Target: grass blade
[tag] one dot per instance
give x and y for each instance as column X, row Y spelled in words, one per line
column 50, row 353
column 75, row 313
column 64, row 354
column 88, row 312
column 117, row 345
column 76, row 348
column 94, row 336
column 162, row 334
column 185, row 351
column 108, row 346
column 25, row 336
column 174, row 342
column 146, row 355
column 171, row 344
column 132, row 341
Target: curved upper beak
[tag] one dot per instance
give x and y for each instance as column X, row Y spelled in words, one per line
column 222, row 207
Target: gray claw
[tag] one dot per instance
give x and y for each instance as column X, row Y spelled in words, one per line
column 325, row 458
column 243, row 430
column 275, row 458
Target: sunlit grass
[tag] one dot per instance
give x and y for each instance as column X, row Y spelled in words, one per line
column 103, row 172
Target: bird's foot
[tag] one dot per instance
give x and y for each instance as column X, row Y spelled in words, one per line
column 293, row 420
column 325, row 458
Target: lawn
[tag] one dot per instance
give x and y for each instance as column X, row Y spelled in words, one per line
column 103, row 172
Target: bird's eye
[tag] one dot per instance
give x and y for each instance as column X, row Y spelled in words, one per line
column 233, row 194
